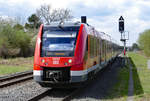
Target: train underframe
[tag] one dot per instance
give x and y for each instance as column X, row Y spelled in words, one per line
column 64, row 77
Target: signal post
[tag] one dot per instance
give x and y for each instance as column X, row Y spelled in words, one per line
column 124, row 34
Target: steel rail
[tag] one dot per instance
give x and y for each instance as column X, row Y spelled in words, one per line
column 15, row 78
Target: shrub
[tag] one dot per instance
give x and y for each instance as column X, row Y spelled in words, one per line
column 13, row 42
column 144, row 42
column 23, row 42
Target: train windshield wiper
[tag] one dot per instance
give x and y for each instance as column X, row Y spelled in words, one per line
column 61, row 27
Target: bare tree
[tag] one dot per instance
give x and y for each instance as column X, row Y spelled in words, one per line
column 48, row 15
column 63, row 14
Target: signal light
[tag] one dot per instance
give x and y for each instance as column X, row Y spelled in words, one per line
column 66, row 63
column 121, row 24
column 43, row 61
column 69, row 60
column 83, row 19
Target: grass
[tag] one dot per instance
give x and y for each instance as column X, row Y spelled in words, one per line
column 141, row 76
column 13, row 65
column 4, row 69
column 120, row 90
column 141, row 80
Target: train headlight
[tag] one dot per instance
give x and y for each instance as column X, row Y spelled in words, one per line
column 70, row 60
column 43, row 60
column 66, row 63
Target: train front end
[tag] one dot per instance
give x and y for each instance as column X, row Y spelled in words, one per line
column 58, row 58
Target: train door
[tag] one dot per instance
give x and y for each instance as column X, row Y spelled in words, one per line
column 100, row 51
column 103, row 50
column 86, row 51
column 91, row 55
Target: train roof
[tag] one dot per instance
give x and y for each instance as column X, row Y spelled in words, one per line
column 64, row 24
column 103, row 35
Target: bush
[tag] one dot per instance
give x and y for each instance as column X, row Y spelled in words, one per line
column 5, row 36
column 32, row 44
column 18, row 27
column 144, row 42
column 23, row 42
column 13, row 42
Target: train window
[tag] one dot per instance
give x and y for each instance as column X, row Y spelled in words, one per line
column 86, row 51
column 59, row 41
column 106, row 50
column 87, row 43
column 95, row 46
column 70, row 28
column 91, row 46
column 98, row 47
column 103, row 49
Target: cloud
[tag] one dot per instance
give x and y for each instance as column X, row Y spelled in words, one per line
column 102, row 14
column 145, row 12
column 14, row 8
column 81, row 9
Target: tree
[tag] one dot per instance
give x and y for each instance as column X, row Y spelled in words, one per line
column 62, row 14
column 18, row 27
column 135, row 47
column 144, row 42
column 34, row 22
column 13, row 42
column 47, row 15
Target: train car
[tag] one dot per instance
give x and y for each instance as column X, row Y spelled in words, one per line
column 70, row 54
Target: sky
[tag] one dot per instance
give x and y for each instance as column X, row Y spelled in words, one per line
column 102, row 14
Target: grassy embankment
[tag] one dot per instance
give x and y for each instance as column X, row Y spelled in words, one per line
column 120, row 89
column 13, row 65
column 141, row 79
column 141, row 76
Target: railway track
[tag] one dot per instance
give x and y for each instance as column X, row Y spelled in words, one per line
column 72, row 95
column 15, row 78
column 67, row 97
column 51, row 94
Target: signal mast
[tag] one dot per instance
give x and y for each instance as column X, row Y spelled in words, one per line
column 124, row 34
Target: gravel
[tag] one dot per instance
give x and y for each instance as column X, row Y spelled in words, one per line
column 28, row 89
column 21, row 92
column 100, row 87
column 57, row 95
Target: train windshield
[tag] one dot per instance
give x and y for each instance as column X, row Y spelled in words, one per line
column 59, row 41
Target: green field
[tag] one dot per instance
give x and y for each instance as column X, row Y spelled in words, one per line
column 141, row 77
column 8, row 66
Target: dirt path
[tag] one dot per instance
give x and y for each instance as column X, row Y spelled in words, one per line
column 130, row 87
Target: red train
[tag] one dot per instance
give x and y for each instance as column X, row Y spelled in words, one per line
column 70, row 54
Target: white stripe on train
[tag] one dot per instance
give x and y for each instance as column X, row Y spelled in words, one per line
column 37, row 72
column 83, row 72
column 73, row 73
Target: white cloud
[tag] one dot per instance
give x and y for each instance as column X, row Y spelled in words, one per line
column 102, row 14
column 131, row 11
